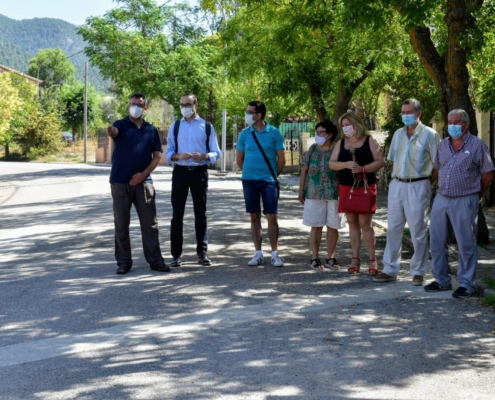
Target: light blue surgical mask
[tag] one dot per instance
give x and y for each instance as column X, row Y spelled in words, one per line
column 455, row 131
column 409, row 119
column 320, row 140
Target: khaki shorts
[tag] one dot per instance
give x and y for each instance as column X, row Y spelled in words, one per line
column 319, row 213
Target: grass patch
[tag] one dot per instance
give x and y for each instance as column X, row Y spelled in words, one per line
column 73, row 153
column 69, row 153
column 489, row 300
column 490, row 283
column 14, row 157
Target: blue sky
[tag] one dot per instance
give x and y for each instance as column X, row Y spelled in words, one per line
column 73, row 11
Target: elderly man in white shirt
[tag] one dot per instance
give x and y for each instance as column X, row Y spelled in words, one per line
column 412, row 150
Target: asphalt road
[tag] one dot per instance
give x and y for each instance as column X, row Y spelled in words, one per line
column 72, row 329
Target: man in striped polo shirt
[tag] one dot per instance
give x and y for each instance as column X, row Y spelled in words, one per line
column 464, row 168
column 412, row 150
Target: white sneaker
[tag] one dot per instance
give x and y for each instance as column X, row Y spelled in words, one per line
column 256, row 260
column 277, row 261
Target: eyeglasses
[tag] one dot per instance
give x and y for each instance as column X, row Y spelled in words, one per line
column 251, row 112
column 320, row 133
column 408, row 112
column 187, row 105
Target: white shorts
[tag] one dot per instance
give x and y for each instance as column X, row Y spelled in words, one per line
column 319, row 213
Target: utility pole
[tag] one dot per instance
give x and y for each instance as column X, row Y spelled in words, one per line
column 85, row 112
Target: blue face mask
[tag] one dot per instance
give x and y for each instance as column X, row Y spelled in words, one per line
column 455, row 131
column 409, row 119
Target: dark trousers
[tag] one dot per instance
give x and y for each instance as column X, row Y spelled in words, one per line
column 143, row 198
column 184, row 180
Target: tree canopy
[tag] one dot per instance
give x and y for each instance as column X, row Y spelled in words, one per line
column 52, row 67
column 71, row 100
column 149, row 48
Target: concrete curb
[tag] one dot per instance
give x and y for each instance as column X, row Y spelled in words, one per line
column 6, row 191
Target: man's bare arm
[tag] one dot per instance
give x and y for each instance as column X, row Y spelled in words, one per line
column 239, row 158
column 139, row 177
column 112, row 131
column 280, row 161
column 486, row 179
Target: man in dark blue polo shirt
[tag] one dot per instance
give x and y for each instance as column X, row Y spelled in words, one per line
column 137, row 152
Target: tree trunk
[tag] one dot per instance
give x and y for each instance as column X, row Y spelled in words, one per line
column 346, row 91
column 448, row 72
column 318, row 103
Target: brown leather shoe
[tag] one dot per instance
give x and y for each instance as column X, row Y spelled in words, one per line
column 417, row 280
column 382, row 278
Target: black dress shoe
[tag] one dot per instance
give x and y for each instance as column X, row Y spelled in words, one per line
column 161, row 268
column 123, row 269
column 203, row 259
column 175, row 262
column 462, row 292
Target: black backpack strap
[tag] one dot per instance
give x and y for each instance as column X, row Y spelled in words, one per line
column 267, row 163
column 176, row 135
column 208, row 134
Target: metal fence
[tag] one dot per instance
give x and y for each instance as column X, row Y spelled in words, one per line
column 291, row 131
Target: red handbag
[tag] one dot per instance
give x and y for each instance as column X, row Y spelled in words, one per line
column 358, row 199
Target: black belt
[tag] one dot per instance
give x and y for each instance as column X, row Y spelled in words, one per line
column 193, row 167
column 412, row 180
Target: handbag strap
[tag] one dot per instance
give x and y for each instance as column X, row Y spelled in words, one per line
column 361, row 176
column 264, row 156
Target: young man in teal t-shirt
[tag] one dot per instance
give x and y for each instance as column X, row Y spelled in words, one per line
column 258, row 179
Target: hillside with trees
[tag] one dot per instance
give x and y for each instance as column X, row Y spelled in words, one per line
column 21, row 40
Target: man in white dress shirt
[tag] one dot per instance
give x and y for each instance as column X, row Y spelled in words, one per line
column 191, row 147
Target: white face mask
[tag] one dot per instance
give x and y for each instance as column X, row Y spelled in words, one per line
column 249, row 119
column 348, row 130
column 187, row 112
column 136, row 112
column 320, row 140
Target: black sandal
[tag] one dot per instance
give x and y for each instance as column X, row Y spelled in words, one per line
column 332, row 263
column 316, row 263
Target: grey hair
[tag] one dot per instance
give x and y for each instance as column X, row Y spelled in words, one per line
column 414, row 102
column 464, row 114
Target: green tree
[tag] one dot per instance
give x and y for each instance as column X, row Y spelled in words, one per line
column 108, row 106
column 305, row 54
column 34, row 129
column 52, row 67
column 72, row 107
column 482, row 61
column 144, row 47
column 444, row 34
column 10, row 104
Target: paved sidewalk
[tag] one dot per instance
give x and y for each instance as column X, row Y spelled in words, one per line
column 486, row 260
column 70, row 328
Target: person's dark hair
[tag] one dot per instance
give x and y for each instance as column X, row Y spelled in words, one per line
column 138, row 96
column 330, row 127
column 259, row 107
column 415, row 103
column 195, row 99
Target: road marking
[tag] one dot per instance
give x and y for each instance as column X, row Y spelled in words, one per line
column 114, row 336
